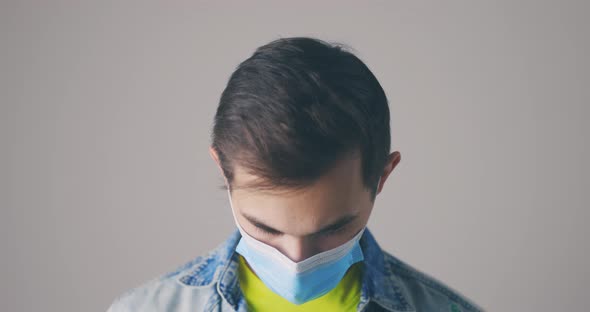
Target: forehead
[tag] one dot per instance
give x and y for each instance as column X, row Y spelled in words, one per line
column 337, row 193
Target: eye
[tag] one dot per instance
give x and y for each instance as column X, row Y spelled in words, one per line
column 335, row 231
column 267, row 232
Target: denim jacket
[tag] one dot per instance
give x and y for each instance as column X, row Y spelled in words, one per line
column 210, row 283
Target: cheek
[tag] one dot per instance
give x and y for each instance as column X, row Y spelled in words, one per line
column 328, row 242
column 258, row 234
column 261, row 236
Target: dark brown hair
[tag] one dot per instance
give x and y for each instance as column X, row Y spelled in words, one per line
column 294, row 108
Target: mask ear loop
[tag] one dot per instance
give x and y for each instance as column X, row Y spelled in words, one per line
column 377, row 187
column 234, row 213
column 232, row 206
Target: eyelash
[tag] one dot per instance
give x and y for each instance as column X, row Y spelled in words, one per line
column 335, row 231
column 266, row 232
column 329, row 233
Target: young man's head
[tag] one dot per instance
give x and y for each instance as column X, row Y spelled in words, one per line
column 302, row 137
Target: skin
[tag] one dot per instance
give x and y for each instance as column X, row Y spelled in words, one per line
column 300, row 221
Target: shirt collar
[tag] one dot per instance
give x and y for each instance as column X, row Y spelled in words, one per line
column 221, row 264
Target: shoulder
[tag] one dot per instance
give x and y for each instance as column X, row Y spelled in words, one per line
column 425, row 292
column 167, row 292
column 193, row 284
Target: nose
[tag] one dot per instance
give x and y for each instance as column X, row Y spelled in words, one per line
column 297, row 248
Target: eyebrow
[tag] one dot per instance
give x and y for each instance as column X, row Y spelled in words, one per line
column 330, row 227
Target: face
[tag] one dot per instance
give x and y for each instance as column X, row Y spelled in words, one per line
column 305, row 222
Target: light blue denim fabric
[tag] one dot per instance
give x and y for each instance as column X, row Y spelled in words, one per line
column 210, row 283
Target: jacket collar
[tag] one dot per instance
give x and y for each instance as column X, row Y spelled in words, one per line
column 220, row 266
column 380, row 284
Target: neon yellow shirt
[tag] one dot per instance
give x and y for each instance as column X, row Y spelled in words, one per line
column 344, row 297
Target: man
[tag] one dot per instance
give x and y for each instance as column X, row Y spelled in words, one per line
column 302, row 139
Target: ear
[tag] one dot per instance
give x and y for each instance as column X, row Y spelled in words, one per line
column 393, row 160
column 213, row 154
column 215, row 157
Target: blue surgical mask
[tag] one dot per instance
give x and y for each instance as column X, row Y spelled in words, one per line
column 298, row 282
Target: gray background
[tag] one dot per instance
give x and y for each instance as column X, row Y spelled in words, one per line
column 106, row 110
